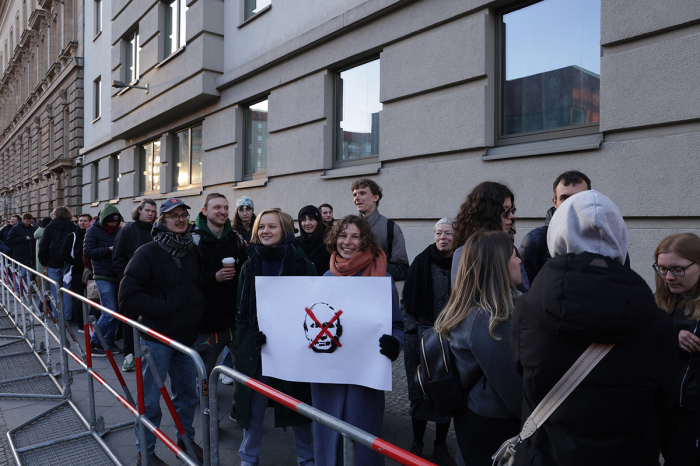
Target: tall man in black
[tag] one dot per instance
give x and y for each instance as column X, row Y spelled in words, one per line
column 162, row 285
column 21, row 240
column 131, row 237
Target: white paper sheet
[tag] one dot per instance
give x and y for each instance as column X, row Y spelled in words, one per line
column 363, row 309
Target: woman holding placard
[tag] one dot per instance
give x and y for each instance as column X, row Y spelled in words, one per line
column 274, row 254
column 477, row 322
column 355, row 251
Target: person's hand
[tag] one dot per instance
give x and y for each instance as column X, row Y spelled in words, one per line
column 260, row 339
column 111, row 247
column 225, row 274
column 390, row 347
column 688, row 342
column 28, row 238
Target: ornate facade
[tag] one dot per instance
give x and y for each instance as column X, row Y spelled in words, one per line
column 41, row 105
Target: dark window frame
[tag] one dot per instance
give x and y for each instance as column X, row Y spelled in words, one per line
column 247, row 122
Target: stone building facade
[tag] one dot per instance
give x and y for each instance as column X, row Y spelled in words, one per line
column 288, row 101
column 41, row 105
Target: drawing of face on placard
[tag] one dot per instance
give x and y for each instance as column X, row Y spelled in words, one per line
column 322, row 328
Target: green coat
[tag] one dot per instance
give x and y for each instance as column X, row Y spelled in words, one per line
column 248, row 360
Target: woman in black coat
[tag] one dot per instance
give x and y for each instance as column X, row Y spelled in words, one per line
column 677, row 265
column 312, row 232
column 585, row 295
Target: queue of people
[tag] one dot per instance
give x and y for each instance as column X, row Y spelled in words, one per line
column 516, row 318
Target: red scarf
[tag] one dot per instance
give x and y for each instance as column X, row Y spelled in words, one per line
column 112, row 229
column 365, row 261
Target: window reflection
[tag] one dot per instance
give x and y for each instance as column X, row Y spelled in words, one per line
column 256, row 139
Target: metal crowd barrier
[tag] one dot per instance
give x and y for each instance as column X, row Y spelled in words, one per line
column 351, row 434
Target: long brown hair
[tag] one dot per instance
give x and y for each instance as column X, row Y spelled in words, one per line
column 482, row 280
column 687, row 246
column 482, row 208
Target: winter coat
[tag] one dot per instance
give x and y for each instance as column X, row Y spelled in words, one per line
column 397, row 261
column 50, row 250
column 613, row 416
column 97, row 244
column 37, row 236
column 248, row 360
column 23, row 249
column 689, row 363
column 72, row 255
column 533, row 248
column 219, row 307
column 131, row 237
column 169, row 299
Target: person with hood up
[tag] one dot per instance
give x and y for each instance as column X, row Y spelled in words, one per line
column 585, row 295
column 99, row 243
column 312, row 231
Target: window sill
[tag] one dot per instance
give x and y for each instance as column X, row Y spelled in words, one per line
column 357, row 170
column 96, row 119
column 255, row 183
column 196, row 191
column 552, row 146
column 255, row 16
column 171, row 56
column 95, row 204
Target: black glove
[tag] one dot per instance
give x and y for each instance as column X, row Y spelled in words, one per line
column 260, row 339
column 390, row 347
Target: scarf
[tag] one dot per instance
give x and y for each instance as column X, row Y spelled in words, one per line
column 277, row 261
column 111, row 229
column 363, row 261
column 172, row 243
column 418, row 288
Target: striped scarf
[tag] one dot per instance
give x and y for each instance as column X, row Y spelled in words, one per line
column 174, row 244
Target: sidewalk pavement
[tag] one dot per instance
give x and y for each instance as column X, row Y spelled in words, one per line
column 278, row 445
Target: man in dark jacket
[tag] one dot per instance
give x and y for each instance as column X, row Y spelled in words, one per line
column 21, row 240
column 72, row 255
column 162, row 285
column 215, row 241
column 5, row 231
column 50, row 253
column 99, row 242
column 131, row 237
column 533, row 248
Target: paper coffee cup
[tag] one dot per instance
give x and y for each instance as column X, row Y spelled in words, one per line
column 228, row 262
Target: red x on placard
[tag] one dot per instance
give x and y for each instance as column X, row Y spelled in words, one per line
column 324, row 327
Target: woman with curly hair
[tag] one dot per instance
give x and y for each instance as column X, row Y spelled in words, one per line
column 355, row 252
column 491, row 207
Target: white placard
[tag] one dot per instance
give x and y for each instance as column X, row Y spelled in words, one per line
column 299, row 348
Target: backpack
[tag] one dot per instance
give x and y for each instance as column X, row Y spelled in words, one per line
column 437, row 375
column 57, row 239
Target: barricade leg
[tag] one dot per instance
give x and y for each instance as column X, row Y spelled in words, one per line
column 65, row 372
column 103, row 342
column 139, row 394
column 88, row 362
column 348, row 451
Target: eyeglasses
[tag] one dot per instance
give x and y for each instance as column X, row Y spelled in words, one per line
column 508, row 211
column 75, row 221
column 177, row 217
column 678, row 271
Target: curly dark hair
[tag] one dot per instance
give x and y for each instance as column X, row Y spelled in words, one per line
column 482, row 209
column 374, row 188
column 368, row 240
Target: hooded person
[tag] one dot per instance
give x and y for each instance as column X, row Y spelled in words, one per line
column 98, row 246
column 312, row 232
column 585, row 295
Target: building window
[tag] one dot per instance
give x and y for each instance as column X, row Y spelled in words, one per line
column 175, row 25
column 96, row 180
column 132, row 57
column 97, row 94
column 358, row 107
column 253, row 7
column 98, row 16
column 149, row 166
column 549, row 70
column 255, row 161
column 188, row 157
column 116, row 177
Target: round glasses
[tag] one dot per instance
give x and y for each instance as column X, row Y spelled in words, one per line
column 508, row 211
column 177, row 217
column 678, row 271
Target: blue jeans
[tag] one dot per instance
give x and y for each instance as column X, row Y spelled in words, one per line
column 227, row 358
column 252, row 437
column 108, row 298
column 183, row 376
column 57, row 276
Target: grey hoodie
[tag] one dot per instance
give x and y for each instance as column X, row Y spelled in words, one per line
column 588, row 222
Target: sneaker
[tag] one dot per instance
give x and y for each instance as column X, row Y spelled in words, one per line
column 225, row 379
column 153, row 460
column 442, row 455
column 416, row 449
column 97, row 351
column 129, row 364
column 114, row 349
column 81, row 329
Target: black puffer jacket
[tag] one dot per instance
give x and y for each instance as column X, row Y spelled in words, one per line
column 48, row 255
column 131, row 237
column 23, row 249
column 220, row 304
column 613, row 417
column 169, row 299
column 689, row 369
column 96, row 248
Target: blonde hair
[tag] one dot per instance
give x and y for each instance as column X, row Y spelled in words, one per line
column 285, row 220
column 687, row 246
column 482, row 280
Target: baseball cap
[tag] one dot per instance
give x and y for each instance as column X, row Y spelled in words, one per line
column 170, row 203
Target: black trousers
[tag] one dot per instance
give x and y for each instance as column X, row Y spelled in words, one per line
column 480, row 437
column 679, row 433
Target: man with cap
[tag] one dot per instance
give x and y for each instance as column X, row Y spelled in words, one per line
column 244, row 217
column 98, row 246
column 162, row 285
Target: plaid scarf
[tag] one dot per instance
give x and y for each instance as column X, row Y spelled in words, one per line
column 174, row 244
